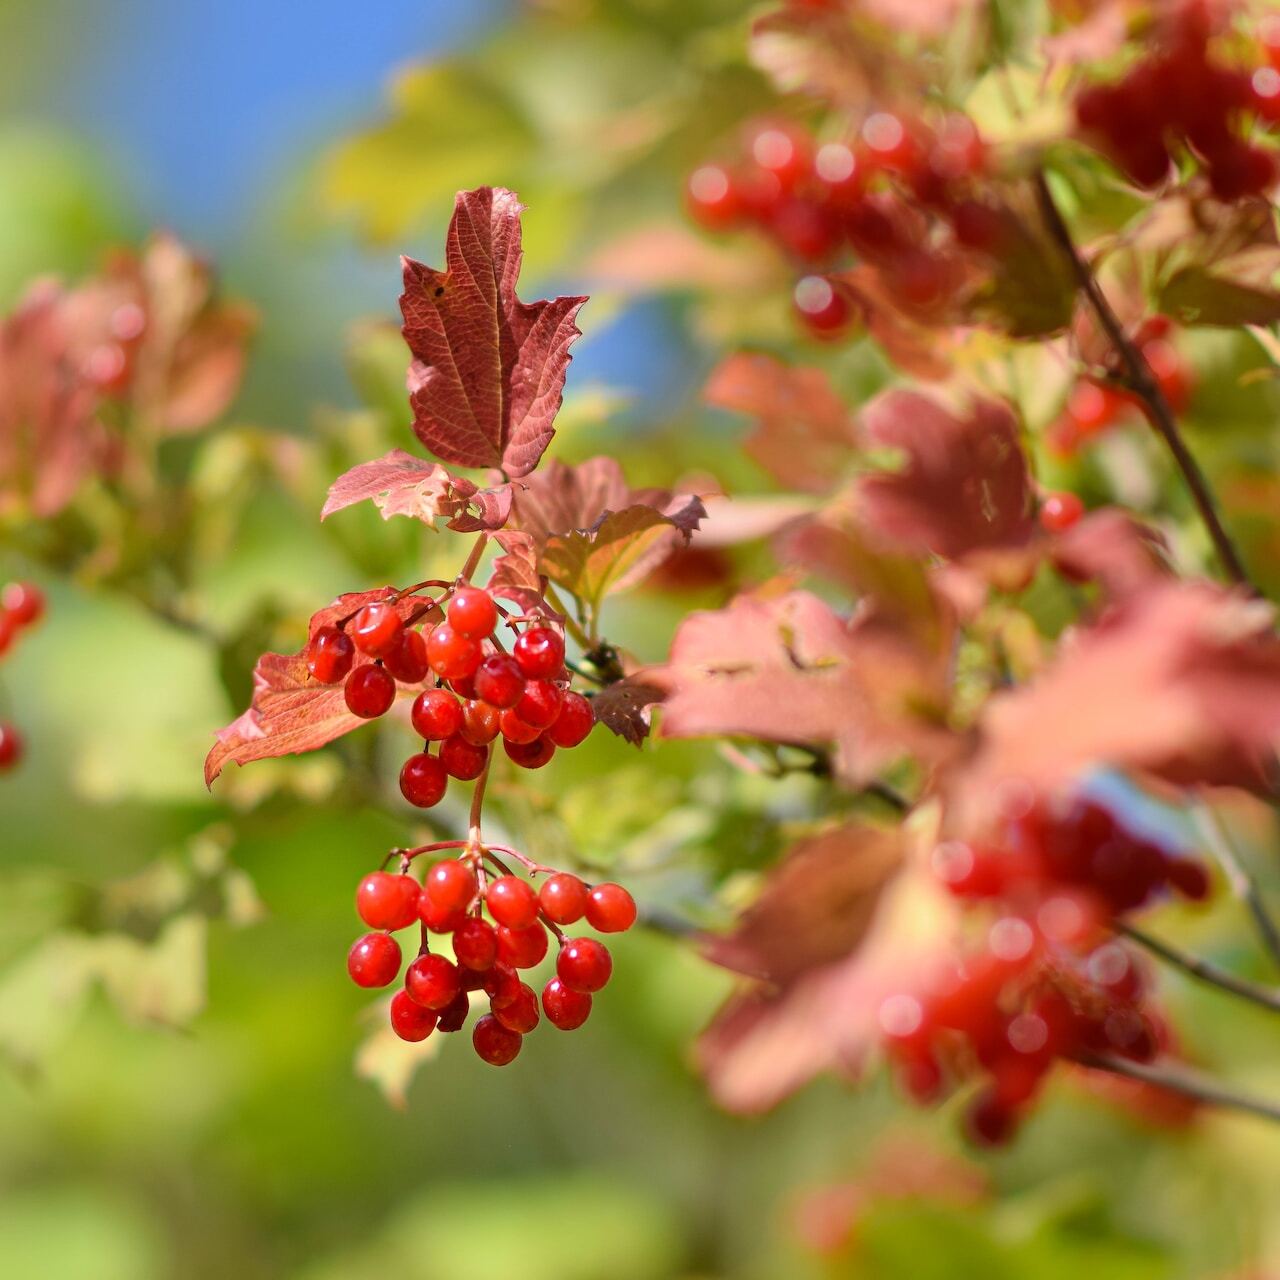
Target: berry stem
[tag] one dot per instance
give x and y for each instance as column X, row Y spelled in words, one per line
column 1189, row 1084
column 1143, row 383
column 571, row 624
column 1203, row 970
column 1243, row 885
column 473, row 559
column 438, row 847
column 532, row 867
column 474, row 840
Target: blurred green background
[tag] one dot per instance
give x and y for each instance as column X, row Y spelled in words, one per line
column 190, row 1086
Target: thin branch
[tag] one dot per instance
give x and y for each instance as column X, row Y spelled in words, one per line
column 473, row 560
column 1203, row 971
column 1144, row 384
column 1242, row 883
column 477, row 802
column 1187, row 1083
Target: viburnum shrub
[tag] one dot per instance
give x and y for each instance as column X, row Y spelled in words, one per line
column 22, row 605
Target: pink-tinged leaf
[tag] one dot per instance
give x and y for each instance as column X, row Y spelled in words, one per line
column 488, row 371
column 400, row 484
column 803, row 435
column 1110, row 547
column 965, row 489
column 515, row 574
column 562, row 498
column 290, row 713
column 729, row 522
column 624, row 706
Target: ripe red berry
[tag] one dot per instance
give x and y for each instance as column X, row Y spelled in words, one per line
column 610, row 909
column 453, row 656
column 840, row 175
column 889, row 142
column 1189, row 878
column 1060, row 511
column 713, row 199
column 574, row 723
column 475, row 944
column 530, row 755
column 521, row 1013
column 565, row 1008
column 374, row 960
column 376, row 629
column 407, row 662
column 499, row 680
column 10, row 746
column 821, row 307
column 437, row 918
column 782, row 152
column 522, row 948
column 494, row 1043
column 409, row 1020
column 451, row 884
column 7, row 628
column 386, row 901
column 369, row 691
column 463, row 686
column 516, row 730
column 539, row 652
column 808, row 231
column 472, row 612
column 512, row 902
column 480, row 722
column 462, row 759
column 502, row 985
column 329, row 655
column 540, row 703
column 23, row 602
column 990, row 1122
column 433, row 981
column 436, row 715
column 1092, row 407
column 454, row 1014
column 584, row 964
column 423, row 780
column 563, row 898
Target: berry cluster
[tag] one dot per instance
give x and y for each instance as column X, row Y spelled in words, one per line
column 479, row 692
column 1050, row 981
column 1180, row 97
column 902, row 195
column 488, row 954
column 21, row 606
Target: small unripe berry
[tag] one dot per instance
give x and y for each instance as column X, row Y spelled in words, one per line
column 374, row 960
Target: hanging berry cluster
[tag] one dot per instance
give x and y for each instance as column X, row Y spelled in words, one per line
column 21, row 606
column 902, row 195
column 1050, row 980
column 1182, row 97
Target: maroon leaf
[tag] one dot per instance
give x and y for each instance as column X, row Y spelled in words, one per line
column 515, row 575
column 624, row 707
column 488, row 371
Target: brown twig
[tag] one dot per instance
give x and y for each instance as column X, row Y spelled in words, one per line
column 1203, row 970
column 1187, row 1083
column 1243, row 885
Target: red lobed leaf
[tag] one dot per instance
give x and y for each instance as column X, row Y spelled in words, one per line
column 625, row 706
column 488, row 371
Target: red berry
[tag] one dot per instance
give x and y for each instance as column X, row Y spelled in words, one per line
column 369, row 691
column 494, row 1043
column 502, row 985
column 10, row 746
column 436, row 715
column 1092, row 407
column 512, row 902
column 475, row 944
column 584, row 964
column 821, row 307
column 522, row 948
column 889, row 142
column 1269, row 36
column 540, row 703
column 432, row 981
column 563, row 898
column 463, row 686
column 463, row 760
column 712, row 198
column 480, row 722
column 575, row 721
column 839, row 174
column 521, row 1013
column 565, row 1008
column 539, row 652
column 7, row 629
column 611, row 909
column 499, row 681
column 23, row 602
column 451, row 884
column 437, row 918
column 453, row 656
column 1170, row 370
column 329, row 655
column 530, row 755
column 1060, row 511
column 990, row 1122
column 782, row 152
column 376, row 629
column 516, row 730
column 407, row 662
column 808, row 231
column 374, row 960
column 409, row 1020
column 472, row 612
column 1189, row 878
column 386, row 901
column 919, row 278
column 454, row 1014
column 423, row 780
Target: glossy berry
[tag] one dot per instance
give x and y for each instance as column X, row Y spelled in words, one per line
column 494, row 1043
column 369, row 691
column 889, row 142
column 499, row 680
column 821, row 307
column 584, row 964
column 376, row 629
column 610, row 909
column 11, row 746
column 23, row 602
column 437, row 918
column 502, row 985
column 522, row 948
column 433, row 981
column 454, row 1015
column 329, row 655
column 713, row 199
column 453, row 656
column 563, row 898
column 436, row 715
column 540, row 703
column 530, row 755
column 407, row 662
column 781, row 152
column 565, row 1008
column 516, row 730
column 409, row 1020
column 990, row 1122
column 480, row 722
column 512, row 902
column 451, row 884
column 539, row 652
column 472, row 613
column 386, row 901
column 475, row 944
column 423, row 780
column 374, row 960
column 462, row 759
column 1060, row 511
column 574, row 723
column 520, row 1014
